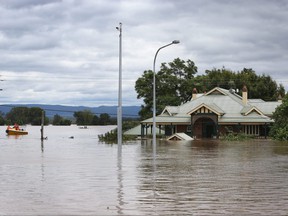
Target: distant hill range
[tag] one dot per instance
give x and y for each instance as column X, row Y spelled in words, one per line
column 68, row 111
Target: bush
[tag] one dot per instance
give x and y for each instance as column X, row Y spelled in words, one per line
column 112, row 136
column 281, row 134
column 237, row 137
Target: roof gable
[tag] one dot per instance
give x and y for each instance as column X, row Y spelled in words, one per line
column 207, row 108
column 179, row 137
column 170, row 110
column 251, row 110
column 216, row 91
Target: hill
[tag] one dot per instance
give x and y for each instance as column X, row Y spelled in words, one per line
column 68, row 111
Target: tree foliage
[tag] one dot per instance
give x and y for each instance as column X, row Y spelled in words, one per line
column 279, row 129
column 19, row 115
column 173, row 86
column 86, row 117
column 59, row 120
column 2, row 118
column 35, row 115
column 25, row 115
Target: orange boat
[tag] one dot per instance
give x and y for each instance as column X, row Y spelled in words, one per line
column 16, row 130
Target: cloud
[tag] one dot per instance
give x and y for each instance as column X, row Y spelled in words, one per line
column 15, row 4
column 67, row 52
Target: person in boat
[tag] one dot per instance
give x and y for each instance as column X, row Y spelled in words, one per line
column 16, row 126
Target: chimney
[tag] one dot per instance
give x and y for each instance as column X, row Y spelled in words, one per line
column 194, row 94
column 244, row 95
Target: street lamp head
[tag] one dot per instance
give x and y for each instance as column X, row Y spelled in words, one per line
column 175, row 41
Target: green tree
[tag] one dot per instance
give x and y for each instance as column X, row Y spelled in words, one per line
column 259, row 86
column 2, row 119
column 104, row 119
column 95, row 120
column 144, row 89
column 57, row 119
column 19, row 115
column 65, row 122
column 173, row 86
column 84, row 117
column 35, row 115
column 222, row 78
column 279, row 129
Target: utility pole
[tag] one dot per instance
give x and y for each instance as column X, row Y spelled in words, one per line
column 119, row 109
column 42, row 125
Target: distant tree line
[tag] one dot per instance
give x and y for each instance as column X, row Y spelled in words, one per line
column 86, row 117
column 33, row 116
column 23, row 115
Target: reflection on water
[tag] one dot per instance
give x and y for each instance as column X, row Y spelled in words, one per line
column 80, row 176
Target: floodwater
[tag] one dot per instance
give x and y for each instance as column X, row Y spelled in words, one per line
column 81, row 176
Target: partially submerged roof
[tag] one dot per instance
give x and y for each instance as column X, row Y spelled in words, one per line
column 179, row 136
column 136, row 131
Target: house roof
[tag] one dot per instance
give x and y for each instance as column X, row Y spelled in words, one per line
column 137, row 131
column 225, row 103
column 179, row 136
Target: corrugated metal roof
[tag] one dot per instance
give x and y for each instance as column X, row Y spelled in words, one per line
column 226, row 102
column 170, row 119
column 137, row 131
column 267, row 107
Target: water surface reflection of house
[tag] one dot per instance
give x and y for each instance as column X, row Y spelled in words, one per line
column 215, row 113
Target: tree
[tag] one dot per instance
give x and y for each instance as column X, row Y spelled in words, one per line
column 25, row 115
column 19, row 115
column 262, row 87
column 57, row 119
column 95, row 120
column 65, row 122
column 104, row 119
column 2, row 119
column 279, row 129
column 222, row 78
column 84, row 117
column 35, row 115
column 173, row 86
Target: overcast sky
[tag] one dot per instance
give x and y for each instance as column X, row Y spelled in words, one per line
column 66, row 52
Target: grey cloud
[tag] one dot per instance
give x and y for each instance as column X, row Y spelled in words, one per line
column 72, row 39
column 16, row 4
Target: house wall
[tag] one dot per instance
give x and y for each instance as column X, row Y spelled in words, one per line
column 252, row 129
column 197, row 129
column 181, row 129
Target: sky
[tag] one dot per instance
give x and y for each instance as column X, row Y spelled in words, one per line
column 66, row 52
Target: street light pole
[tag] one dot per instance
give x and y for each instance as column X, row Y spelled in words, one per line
column 154, row 96
column 119, row 109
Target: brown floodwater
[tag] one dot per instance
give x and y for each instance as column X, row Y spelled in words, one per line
column 72, row 173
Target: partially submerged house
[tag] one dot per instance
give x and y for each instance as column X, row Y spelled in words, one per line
column 215, row 113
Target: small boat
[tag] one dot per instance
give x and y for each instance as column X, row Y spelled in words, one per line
column 16, row 130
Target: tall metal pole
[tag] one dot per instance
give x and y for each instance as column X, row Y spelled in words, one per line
column 119, row 110
column 42, row 125
column 154, row 96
